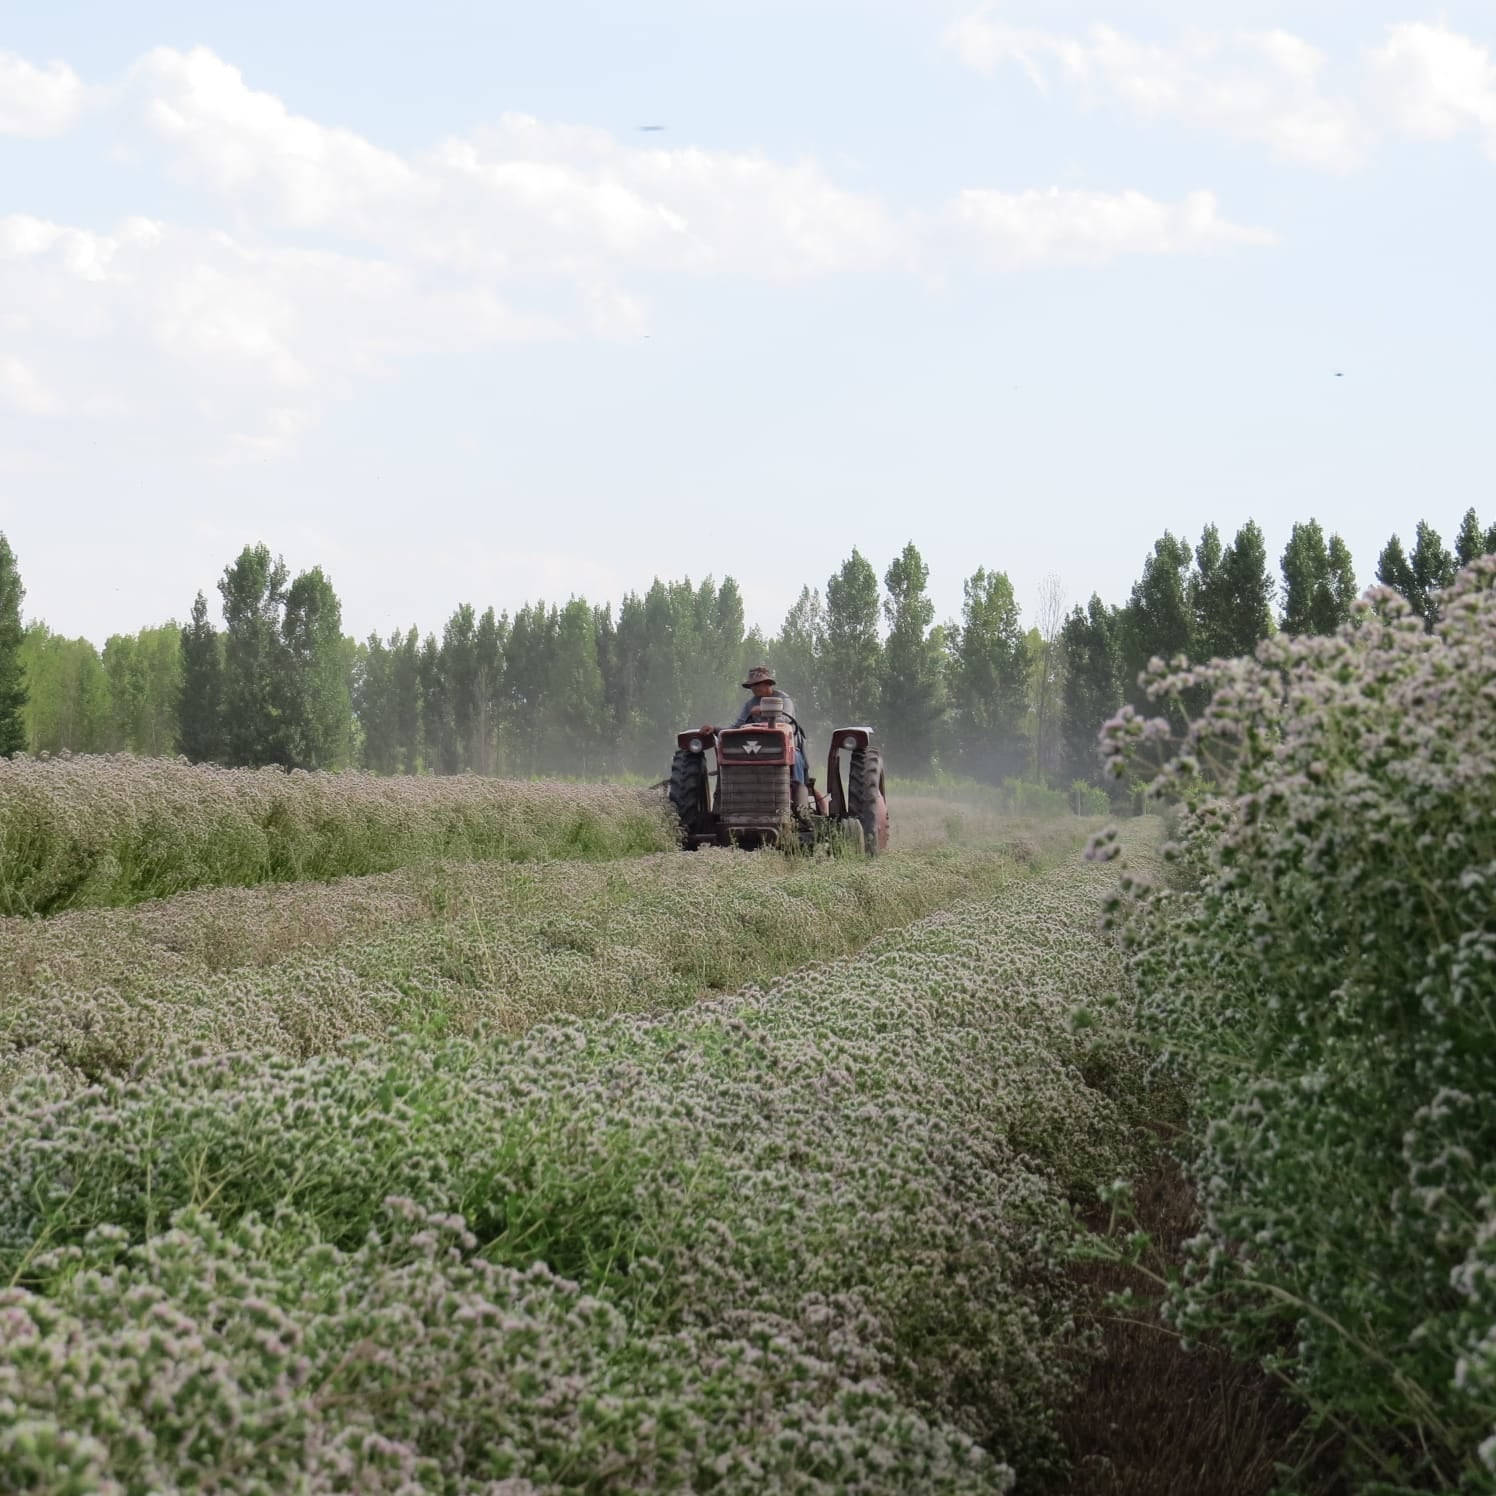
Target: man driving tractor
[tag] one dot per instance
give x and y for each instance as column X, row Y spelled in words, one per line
column 761, row 682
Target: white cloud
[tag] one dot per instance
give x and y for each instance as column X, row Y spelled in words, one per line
column 1257, row 86
column 338, row 258
column 1432, row 83
column 1015, row 229
column 38, row 102
column 195, row 332
column 519, row 198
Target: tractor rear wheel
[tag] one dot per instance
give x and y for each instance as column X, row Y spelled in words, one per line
column 866, row 802
column 690, row 790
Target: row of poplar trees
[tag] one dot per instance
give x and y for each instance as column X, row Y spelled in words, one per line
column 589, row 690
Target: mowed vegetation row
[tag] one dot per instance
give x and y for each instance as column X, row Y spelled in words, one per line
column 450, row 947
column 114, row 829
column 804, row 1237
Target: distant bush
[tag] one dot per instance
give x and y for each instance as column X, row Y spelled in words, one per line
column 1088, row 800
column 80, row 832
column 1325, row 968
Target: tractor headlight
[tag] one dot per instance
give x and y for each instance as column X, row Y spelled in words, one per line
column 849, row 741
column 696, row 745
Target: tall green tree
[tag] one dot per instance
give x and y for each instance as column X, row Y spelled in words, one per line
column 1092, row 693
column 1319, row 584
column 145, row 679
column 1473, row 542
column 67, row 707
column 1231, row 594
column 12, row 672
column 621, row 655
column 200, row 732
column 1159, row 620
column 255, row 727
column 529, row 657
column 405, row 686
column 1046, row 680
column 438, row 729
column 487, row 683
column 852, row 654
column 988, row 686
column 459, row 649
column 373, row 702
column 1421, row 575
column 576, row 722
column 912, row 684
column 316, row 705
column 795, row 654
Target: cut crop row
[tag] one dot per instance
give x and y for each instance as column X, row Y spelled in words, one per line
column 115, row 830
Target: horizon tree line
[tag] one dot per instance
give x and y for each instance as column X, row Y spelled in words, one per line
column 586, row 689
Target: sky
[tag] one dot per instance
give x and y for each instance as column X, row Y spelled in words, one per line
column 411, row 293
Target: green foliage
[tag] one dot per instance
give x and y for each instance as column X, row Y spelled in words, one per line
column 200, row 698
column 145, row 685
column 797, row 655
column 1323, row 966
column 13, row 692
column 316, row 703
column 913, row 687
column 1158, row 622
column 1092, row 643
column 1231, row 594
column 1472, row 542
column 1087, row 799
column 67, row 688
column 1319, row 586
column 851, row 654
column 255, row 728
column 1419, row 576
column 454, row 946
column 989, row 666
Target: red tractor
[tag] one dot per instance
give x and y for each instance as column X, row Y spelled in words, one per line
column 756, row 803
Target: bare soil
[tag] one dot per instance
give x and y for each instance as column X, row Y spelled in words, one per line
column 1153, row 1419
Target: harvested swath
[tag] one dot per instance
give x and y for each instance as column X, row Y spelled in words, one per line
column 82, row 832
column 295, row 970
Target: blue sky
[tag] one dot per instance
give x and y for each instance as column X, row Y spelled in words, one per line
column 406, row 292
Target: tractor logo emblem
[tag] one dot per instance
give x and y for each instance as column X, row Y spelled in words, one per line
column 752, row 747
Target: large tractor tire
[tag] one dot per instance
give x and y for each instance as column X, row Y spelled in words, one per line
column 866, row 801
column 690, row 790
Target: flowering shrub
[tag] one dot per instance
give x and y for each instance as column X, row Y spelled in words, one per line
column 1324, row 964
column 79, row 832
column 807, row 1237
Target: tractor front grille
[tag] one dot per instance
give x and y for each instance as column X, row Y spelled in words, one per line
column 753, row 794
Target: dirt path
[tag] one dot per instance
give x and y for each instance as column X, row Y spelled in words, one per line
column 1155, row 1420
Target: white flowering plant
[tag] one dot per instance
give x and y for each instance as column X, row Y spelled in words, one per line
column 1322, row 963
